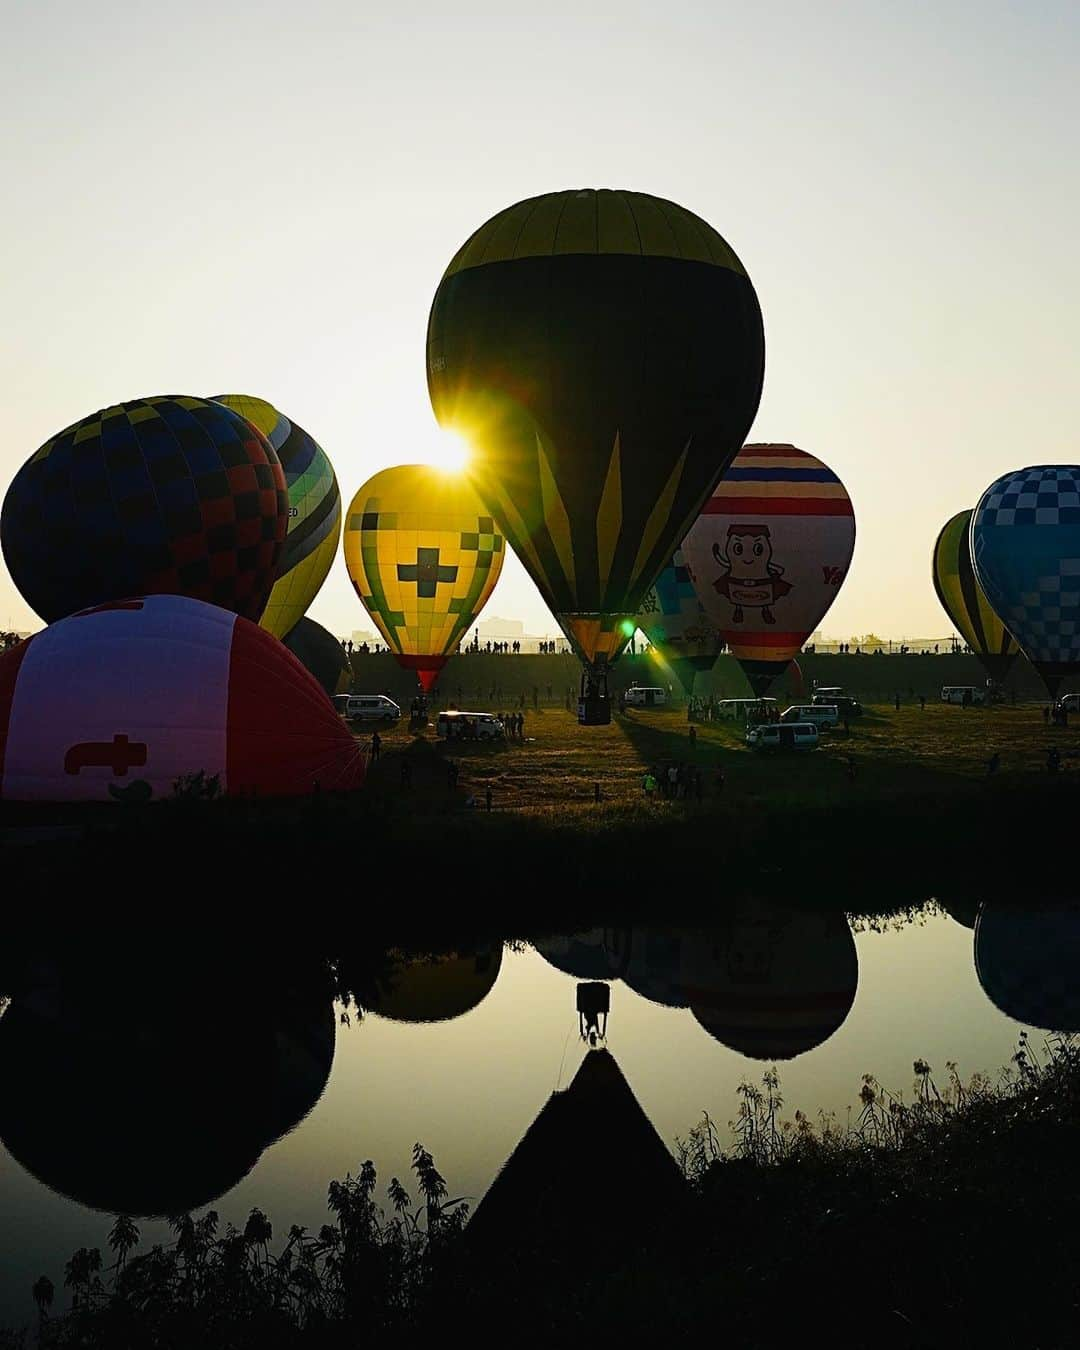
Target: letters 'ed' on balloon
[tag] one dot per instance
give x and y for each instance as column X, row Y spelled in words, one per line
column 603, row 354
column 168, row 495
column 314, row 512
column 1025, row 545
column 423, row 556
column 769, row 553
column 965, row 602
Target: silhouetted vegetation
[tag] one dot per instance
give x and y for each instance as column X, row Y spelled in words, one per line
column 941, row 1219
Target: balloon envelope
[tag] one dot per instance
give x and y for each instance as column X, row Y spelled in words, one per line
column 117, row 703
column 769, row 553
column 674, row 620
column 435, row 988
column 603, row 353
column 772, row 983
column 314, row 512
column 423, row 556
column 170, row 495
column 965, row 602
column 1028, row 963
column 1025, row 544
column 322, row 654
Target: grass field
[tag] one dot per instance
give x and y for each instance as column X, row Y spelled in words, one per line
column 555, row 770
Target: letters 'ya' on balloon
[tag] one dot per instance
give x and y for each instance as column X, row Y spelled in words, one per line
column 169, row 495
column 769, row 553
column 1025, row 545
column 168, row 687
column 965, row 602
column 423, row 556
column 314, row 512
column 603, row 354
column 673, row 618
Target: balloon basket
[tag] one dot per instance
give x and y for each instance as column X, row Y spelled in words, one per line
column 594, row 703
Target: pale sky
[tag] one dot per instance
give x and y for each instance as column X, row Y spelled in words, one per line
column 261, row 198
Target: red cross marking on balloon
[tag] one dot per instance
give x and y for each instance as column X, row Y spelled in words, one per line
column 119, row 754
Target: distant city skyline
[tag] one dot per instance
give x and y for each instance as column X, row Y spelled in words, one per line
column 212, row 201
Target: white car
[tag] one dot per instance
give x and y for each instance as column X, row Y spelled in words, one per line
column 954, row 693
column 645, row 696
column 367, row 708
column 783, row 736
column 821, row 714
column 455, row 725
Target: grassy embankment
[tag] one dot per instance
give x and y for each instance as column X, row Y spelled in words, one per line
column 900, row 809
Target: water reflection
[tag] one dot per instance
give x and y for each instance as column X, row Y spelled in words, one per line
column 434, row 987
column 769, row 980
column 1028, row 962
column 148, row 1088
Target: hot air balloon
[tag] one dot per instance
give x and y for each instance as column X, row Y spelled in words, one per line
column 314, row 512
column 1025, row 546
column 963, row 599
column 110, row 1086
column 674, row 620
column 121, row 701
column 1028, row 962
column 170, row 495
column 769, row 553
column 773, row 982
column 586, row 956
column 423, row 556
column 322, row 654
column 603, row 353
column 649, row 961
column 434, row 988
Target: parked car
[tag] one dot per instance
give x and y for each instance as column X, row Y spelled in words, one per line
column 457, row 725
column 845, row 704
column 955, row 693
column 645, row 696
column 1069, row 703
column 783, row 736
column 821, row 714
column 367, row 707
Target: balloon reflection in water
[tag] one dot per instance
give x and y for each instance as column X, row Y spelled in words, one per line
column 772, row 982
column 1028, row 963
column 128, row 1099
column 433, row 988
column 584, row 955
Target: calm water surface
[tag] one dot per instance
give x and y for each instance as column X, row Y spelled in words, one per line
column 469, row 1086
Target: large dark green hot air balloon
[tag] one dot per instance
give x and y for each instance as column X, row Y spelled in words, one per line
column 603, row 354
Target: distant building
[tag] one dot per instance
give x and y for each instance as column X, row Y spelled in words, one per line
column 359, row 638
column 501, row 630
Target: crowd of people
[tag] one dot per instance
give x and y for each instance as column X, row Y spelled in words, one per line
column 8, row 640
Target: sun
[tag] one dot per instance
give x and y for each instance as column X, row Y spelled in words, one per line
column 446, row 450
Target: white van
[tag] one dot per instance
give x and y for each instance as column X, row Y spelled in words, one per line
column 954, row 693
column 367, row 707
column 645, row 696
column 1069, row 703
column 783, row 736
column 821, row 714
column 746, row 709
column 455, row 725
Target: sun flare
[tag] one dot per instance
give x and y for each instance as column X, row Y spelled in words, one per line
column 447, row 450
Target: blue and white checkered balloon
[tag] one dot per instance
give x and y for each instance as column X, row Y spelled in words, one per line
column 1025, row 546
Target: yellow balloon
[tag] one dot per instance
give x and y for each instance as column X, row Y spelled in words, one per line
column 314, row 512
column 423, row 556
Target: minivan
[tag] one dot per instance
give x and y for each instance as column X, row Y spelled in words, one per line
column 367, row 707
column 783, row 736
column 645, row 696
column 821, row 714
column 844, row 703
column 954, row 693
column 455, row 725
